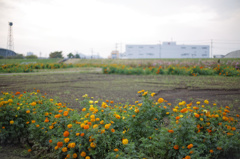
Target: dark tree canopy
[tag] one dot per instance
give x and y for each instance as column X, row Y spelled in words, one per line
column 56, row 54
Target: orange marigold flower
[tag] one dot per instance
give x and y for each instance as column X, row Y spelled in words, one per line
column 74, row 155
column 237, row 115
column 191, row 152
column 65, row 113
column 160, row 100
column 170, row 131
column 59, row 144
column 29, row 150
column 176, row 147
column 83, row 154
column 93, row 145
column 64, row 149
column 107, row 126
column 46, row 120
column 187, row 157
column 190, row 146
column 111, row 102
column 233, row 128
column 178, row 117
column 184, row 110
column 50, row 141
column 33, row 103
column 82, row 134
column 113, row 130
column 66, row 134
column 196, row 115
column 211, row 151
column 28, row 111
column 86, row 126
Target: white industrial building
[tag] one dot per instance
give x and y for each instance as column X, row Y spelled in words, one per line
column 166, row 50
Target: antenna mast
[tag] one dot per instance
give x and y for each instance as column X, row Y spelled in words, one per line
column 10, row 44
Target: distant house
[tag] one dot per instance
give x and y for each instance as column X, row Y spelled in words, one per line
column 6, row 52
column 218, row 56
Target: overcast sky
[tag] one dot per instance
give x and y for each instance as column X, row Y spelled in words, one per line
column 85, row 25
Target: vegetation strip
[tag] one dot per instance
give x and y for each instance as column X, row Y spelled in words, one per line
column 103, row 129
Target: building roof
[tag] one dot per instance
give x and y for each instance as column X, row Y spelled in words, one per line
column 233, row 54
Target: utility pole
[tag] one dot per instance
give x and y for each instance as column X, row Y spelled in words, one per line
column 159, row 49
column 211, row 48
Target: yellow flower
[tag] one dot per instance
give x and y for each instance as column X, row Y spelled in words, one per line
column 153, row 94
column 197, row 102
column 181, row 116
column 125, row 141
column 69, row 126
column 87, row 157
column 66, row 140
column 201, row 119
column 102, row 122
column 91, row 102
column 18, row 108
column 145, row 93
column 206, row 101
column 95, row 126
column 84, row 109
column 175, row 110
column 167, row 113
column 11, row 122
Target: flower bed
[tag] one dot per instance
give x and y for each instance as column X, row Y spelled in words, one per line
column 172, row 70
column 147, row 129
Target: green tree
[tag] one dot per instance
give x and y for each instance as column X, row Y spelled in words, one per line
column 77, row 56
column 56, row 54
column 70, row 55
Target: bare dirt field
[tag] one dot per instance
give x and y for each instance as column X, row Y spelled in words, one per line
column 67, row 87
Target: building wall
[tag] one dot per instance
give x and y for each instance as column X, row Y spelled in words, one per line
column 142, row 51
column 167, row 50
